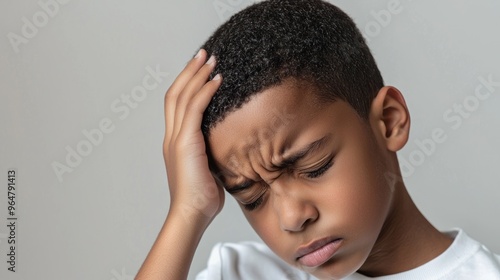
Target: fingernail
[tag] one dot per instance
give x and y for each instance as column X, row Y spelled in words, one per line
column 217, row 77
column 211, row 60
column 198, row 54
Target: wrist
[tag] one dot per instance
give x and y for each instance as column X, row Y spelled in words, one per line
column 189, row 216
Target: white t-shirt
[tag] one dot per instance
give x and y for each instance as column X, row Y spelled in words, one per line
column 464, row 259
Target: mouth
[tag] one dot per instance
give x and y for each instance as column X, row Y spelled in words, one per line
column 318, row 252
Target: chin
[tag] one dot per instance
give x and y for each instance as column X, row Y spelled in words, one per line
column 333, row 270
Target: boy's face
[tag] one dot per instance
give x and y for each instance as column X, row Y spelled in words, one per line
column 311, row 175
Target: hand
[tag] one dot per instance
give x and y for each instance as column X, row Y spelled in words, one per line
column 193, row 189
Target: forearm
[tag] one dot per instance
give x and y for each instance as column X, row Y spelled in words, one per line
column 189, row 175
column 173, row 251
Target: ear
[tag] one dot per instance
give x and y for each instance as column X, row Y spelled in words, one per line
column 390, row 118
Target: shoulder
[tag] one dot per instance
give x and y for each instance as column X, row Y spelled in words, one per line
column 248, row 260
column 473, row 258
column 466, row 258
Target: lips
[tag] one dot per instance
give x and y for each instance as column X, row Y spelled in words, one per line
column 317, row 252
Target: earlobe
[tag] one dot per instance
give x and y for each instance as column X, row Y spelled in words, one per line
column 389, row 115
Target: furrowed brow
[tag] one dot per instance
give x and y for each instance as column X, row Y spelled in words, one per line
column 240, row 187
column 285, row 163
column 301, row 153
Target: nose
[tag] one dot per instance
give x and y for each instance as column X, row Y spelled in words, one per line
column 294, row 212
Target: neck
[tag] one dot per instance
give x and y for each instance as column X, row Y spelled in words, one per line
column 406, row 241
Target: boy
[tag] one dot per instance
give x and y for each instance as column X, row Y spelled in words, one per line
column 284, row 108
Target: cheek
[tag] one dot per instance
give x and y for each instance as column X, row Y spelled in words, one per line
column 364, row 199
column 266, row 225
column 263, row 224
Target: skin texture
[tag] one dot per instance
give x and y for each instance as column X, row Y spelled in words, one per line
column 355, row 199
column 195, row 198
column 359, row 199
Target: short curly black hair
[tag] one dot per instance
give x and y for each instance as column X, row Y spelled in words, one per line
column 310, row 40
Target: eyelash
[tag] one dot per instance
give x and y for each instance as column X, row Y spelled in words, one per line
column 253, row 205
column 312, row 174
column 320, row 171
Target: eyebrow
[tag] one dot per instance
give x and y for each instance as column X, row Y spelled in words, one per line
column 284, row 163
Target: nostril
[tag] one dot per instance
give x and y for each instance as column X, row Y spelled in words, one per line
column 295, row 215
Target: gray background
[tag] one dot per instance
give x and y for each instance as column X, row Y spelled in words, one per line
column 99, row 220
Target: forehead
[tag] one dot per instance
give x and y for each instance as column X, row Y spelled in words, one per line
column 272, row 118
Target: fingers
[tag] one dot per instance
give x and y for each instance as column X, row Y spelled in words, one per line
column 188, row 97
column 176, row 88
column 194, row 110
column 191, row 89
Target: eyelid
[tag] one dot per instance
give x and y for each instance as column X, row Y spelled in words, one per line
column 239, row 187
column 256, row 195
column 255, row 203
column 325, row 166
column 317, row 164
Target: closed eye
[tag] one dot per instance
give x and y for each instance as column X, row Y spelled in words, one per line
column 257, row 198
column 256, row 203
column 311, row 174
column 320, row 171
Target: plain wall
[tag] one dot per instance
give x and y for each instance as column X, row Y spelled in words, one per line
column 72, row 71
